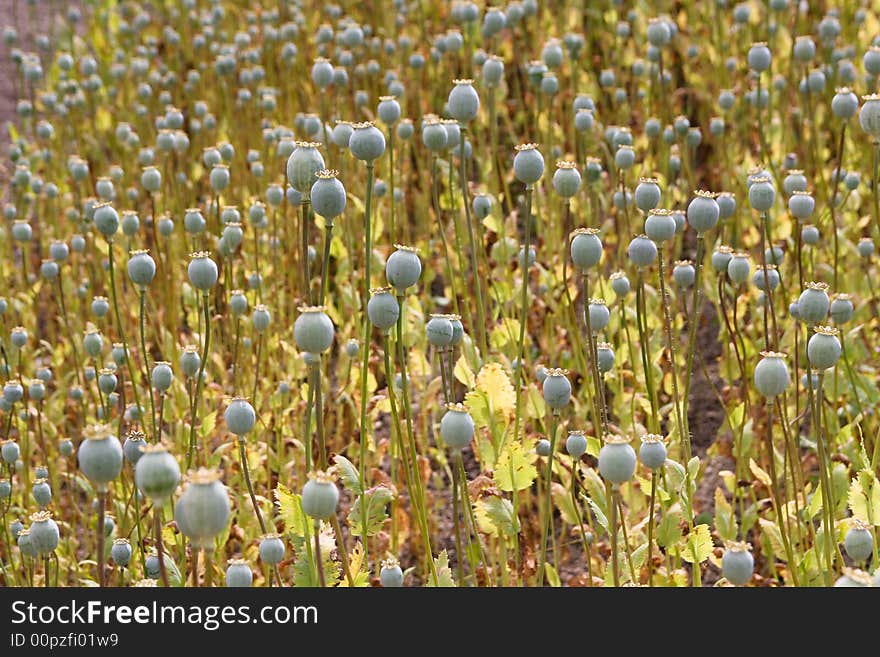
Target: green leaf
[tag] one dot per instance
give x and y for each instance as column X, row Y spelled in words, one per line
column 774, row 536
column 444, row 572
column 290, row 510
column 464, row 373
column 562, row 500
column 675, row 474
column 495, row 516
column 815, row 503
column 725, row 521
column 668, row 530
column 693, row 467
column 552, row 576
column 348, row 473
column 864, row 497
column 600, row 515
column 760, row 474
column 376, row 499
column 209, row 422
column 698, row 545
column 515, row 468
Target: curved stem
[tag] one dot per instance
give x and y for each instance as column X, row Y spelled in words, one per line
column 478, row 284
column 524, row 311
column 142, row 303
column 195, row 400
column 368, row 255
column 545, row 519
column 247, row 481
column 160, row 549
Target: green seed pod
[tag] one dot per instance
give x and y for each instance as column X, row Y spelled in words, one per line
column 202, row 271
column 202, row 511
column 382, row 308
column 303, row 165
column 403, row 268
column 320, row 496
column 771, row 374
column 652, row 452
column 439, row 330
column 737, row 563
column 44, row 533
column 556, row 388
column 858, row 541
column 457, row 427
column 239, row 574
column 157, row 473
column 823, row 349
column 463, row 101
column 328, row 195
column 617, row 459
column 586, row 248
column 391, row 575
column 528, row 164
column 313, row 331
column 567, row 179
column 100, row 456
column 576, row 444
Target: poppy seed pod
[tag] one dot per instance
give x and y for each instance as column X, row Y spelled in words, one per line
column 202, row 510
column 367, row 143
column 240, row 416
column 403, row 268
column 202, row 271
column 271, row 549
column 13, row 392
column 841, row 309
column 528, row 164
column 642, row 251
column 869, row 115
column 567, row 179
column 620, row 283
column 801, row 205
column 542, row 448
column 844, row 104
column 238, row 303
column 599, row 315
column 100, row 456
column 759, row 57
column 151, row 179
column 823, row 349
column 659, row 225
column 121, row 552
column 647, row 194
column 576, row 444
column 683, row 273
column 41, row 492
column 391, row 574
column 44, row 533
column 737, row 563
column 556, row 389
column 439, row 331
column 141, row 268
column 157, row 473
column 658, row 32
column 322, row 73
column 382, row 308
column 313, row 331
column 481, row 205
column 190, row 361
column 194, row 221
column 813, row 303
column 604, row 357
column 238, row 574
column 457, row 329
column 261, row 318
column 434, row 135
column 463, row 101
column 320, row 496
column 766, row 277
column 771, row 374
column 652, row 452
column 739, row 267
column 457, row 427
column 388, row 110
column 703, row 211
column 617, row 459
column 328, row 195
column 586, row 248
column 493, row 71
column 303, row 165
column 341, row 134
column 721, row 258
column 133, row 447
column 106, row 220
column 761, row 193
column 858, row 541
column 107, row 381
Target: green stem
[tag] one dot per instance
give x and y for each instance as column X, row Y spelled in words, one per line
column 478, row 284
column 545, row 519
column 142, row 303
column 195, row 400
column 524, row 313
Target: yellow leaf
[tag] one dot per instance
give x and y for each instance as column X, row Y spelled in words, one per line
column 515, row 467
column 760, row 475
column 697, row 546
column 463, row 372
column 494, row 382
column 864, row 498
